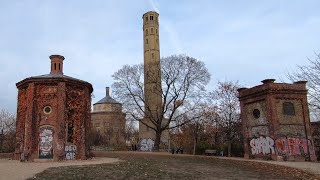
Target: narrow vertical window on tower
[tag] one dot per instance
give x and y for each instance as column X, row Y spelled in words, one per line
column 151, row 30
column 152, row 55
column 59, row 67
column 151, row 18
column 146, row 31
column 55, row 66
column 146, row 18
column 147, row 41
column 157, row 31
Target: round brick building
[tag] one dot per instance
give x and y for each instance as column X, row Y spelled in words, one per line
column 109, row 121
column 53, row 116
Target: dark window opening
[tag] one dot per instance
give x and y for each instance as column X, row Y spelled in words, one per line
column 146, row 41
column 151, row 30
column 146, row 18
column 256, row 113
column 151, row 17
column 70, row 132
column 146, row 31
column 59, row 67
column 55, row 66
column 288, row 108
column 152, row 55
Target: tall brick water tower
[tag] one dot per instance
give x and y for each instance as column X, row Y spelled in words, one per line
column 152, row 81
column 152, row 74
column 276, row 122
column 53, row 116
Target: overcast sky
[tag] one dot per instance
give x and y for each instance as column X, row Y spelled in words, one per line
column 238, row 40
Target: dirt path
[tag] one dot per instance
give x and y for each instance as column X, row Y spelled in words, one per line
column 15, row 170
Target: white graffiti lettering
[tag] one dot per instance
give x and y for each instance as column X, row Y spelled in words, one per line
column 146, row 144
column 70, row 155
column 70, row 151
column 264, row 145
column 46, row 143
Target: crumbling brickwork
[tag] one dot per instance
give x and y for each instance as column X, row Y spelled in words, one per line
column 276, row 122
column 53, row 116
column 315, row 130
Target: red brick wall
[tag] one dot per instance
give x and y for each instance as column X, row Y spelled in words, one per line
column 286, row 136
column 70, row 102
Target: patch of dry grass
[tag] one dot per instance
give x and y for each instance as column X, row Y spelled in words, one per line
column 166, row 166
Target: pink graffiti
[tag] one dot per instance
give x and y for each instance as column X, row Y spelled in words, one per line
column 293, row 146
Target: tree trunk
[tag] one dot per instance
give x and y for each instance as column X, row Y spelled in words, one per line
column 229, row 148
column 194, row 146
column 156, row 146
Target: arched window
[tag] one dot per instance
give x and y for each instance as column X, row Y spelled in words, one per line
column 55, row 66
column 146, row 31
column 151, row 17
column 151, row 30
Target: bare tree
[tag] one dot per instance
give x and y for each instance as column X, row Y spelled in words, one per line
column 183, row 81
column 228, row 110
column 131, row 133
column 310, row 73
column 7, row 131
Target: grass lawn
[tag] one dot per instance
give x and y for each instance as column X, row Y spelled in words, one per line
column 138, row 165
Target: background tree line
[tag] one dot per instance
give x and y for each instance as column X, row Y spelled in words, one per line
column 7, row 131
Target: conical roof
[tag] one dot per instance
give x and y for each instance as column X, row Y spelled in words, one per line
column 107, row 99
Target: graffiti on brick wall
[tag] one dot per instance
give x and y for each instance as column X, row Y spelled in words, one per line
column 293, row 146
column 146, row 145
column 46, row 143
column 262, row 145
column 70, row 151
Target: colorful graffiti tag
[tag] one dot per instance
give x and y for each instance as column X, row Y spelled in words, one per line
column 282, row 146
column 293, row 146
column 70, row 151
column 146, row 145
column 46, row 143
column 262, row 145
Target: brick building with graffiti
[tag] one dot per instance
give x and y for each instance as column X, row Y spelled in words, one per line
column 315, row 131
column 276, row 122
column 53, row 116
